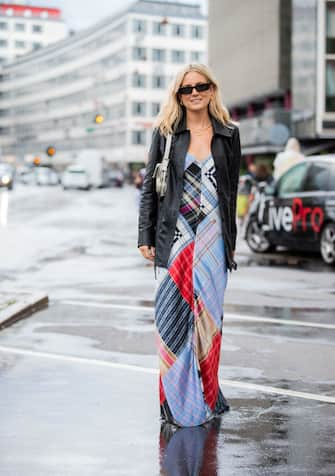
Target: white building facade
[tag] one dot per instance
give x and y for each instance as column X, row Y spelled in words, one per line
column 24, row 28
column 119, row 69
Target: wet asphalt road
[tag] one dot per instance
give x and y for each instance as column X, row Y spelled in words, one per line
column 78, row 381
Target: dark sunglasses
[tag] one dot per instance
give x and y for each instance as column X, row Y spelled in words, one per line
column 200, row 88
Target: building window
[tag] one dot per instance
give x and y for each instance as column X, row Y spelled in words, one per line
column 158, row 81
column 159, row 28
column 197, row 31
column 37, row 46
column 3, row 43
column 139, row 108
column 139, row 54
column 3, row 25
column 139, row 80
column 138, row 137
column 139, row 26
column 330, row 86
column 330, row 14
column 178, row 56
column 158, row 55
column 155, row 108
column 20, row 27
column 20, row 44
column 196, row 56
column 178, row 29
column 37, row 28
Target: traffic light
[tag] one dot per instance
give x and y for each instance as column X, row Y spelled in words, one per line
column 51, row 151
column 99, row 119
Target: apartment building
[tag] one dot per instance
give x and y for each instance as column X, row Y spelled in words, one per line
column 117, row 72
column 25, row 28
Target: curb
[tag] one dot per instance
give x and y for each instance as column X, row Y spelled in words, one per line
column 22, row 309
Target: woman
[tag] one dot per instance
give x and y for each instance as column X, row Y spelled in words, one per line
column 289, row 157
column 191, row 235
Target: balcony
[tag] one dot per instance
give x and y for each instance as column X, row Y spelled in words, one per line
column 265, row 133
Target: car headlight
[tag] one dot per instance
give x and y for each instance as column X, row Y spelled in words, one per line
column 5, row 179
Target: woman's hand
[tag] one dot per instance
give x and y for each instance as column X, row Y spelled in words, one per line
column 148, row 252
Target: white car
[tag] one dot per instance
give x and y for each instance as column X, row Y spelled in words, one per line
column 75, row 176
column 46, row 176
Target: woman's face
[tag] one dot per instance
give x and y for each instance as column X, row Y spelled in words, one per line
column 196, row 100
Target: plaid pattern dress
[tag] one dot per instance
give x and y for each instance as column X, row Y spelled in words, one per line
column 189, row 304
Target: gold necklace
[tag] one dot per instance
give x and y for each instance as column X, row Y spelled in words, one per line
column 200, row 131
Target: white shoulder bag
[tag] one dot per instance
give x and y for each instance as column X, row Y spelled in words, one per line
column 161, row 170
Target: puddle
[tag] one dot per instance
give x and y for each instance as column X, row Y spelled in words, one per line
column 305, row 313
column 311, row 262
column 68, row 254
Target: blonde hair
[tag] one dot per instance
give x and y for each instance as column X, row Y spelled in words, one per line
column 172, row 111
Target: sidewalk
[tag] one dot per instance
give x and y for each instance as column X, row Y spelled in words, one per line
column 18, row 305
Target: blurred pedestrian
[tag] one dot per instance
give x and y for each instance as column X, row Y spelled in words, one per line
column 289, row 157
column 138, row 182
column 190, row 235
column 243, row 197
column 263, row 174
column 252, row 170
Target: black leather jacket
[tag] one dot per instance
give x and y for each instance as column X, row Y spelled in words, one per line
column 158, row 218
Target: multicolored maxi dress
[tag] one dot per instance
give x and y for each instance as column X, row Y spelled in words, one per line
column 189, row 304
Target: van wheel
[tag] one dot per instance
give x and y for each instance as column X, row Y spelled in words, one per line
column 256, row 239
column 327, row 244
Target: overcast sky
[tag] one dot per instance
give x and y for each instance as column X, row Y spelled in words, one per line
column 79, row 14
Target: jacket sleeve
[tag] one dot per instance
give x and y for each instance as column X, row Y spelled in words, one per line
column 234, row 177
column 148, row 204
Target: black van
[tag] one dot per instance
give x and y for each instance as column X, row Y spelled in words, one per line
column 298, row 211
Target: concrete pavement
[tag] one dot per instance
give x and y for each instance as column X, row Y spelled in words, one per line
column 78, row 381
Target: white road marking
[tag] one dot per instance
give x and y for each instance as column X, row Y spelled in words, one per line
column 147, row 370
column 3, row 208
column 227, row 315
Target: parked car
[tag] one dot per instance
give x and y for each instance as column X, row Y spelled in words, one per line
column 298, row 211
column 25, row 175
column 6, row 176
column 76, row 176
column 46, row 176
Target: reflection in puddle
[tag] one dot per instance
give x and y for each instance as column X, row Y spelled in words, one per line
column 296, row 312
column 189, row 451
column 285, row 259
column 259, row 436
